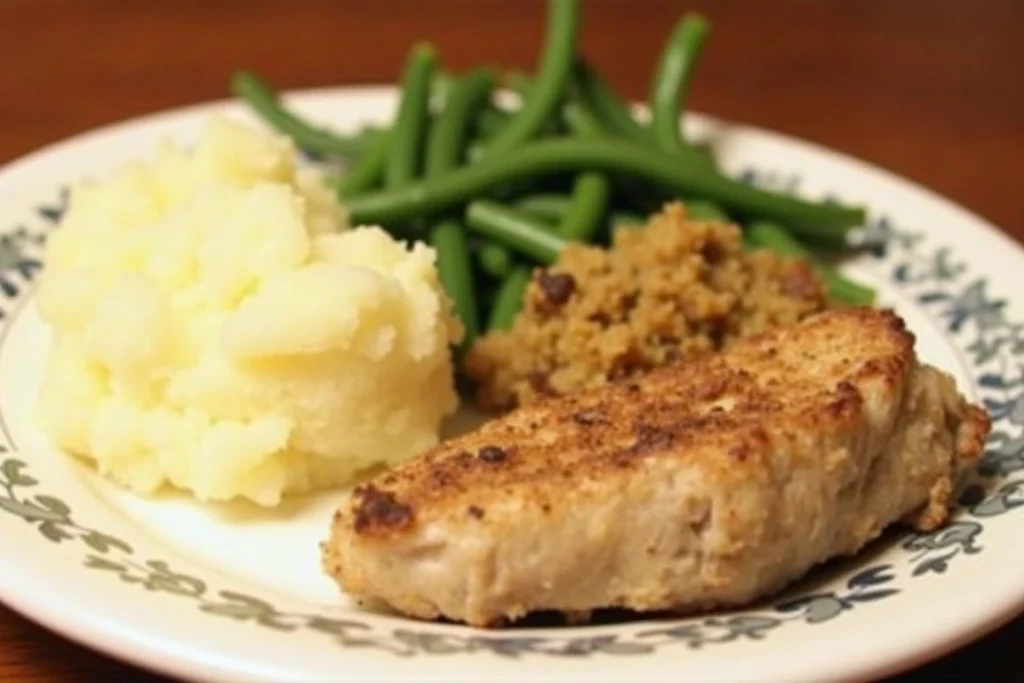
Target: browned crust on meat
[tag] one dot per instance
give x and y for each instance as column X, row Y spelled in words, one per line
column 970, row 443
column 676, row 412
column 378, row 510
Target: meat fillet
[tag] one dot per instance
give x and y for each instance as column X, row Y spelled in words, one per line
column 711, row 483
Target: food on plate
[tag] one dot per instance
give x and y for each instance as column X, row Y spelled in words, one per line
column 664, row 292
column 500, row 183
column 709, row 483
column 219, row 329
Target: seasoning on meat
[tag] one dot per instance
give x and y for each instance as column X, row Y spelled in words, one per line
column 379, row 510
column 492, row 454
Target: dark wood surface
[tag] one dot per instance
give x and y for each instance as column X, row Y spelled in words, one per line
column 931, row 89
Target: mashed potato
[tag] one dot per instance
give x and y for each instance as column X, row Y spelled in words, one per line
column 218, row 329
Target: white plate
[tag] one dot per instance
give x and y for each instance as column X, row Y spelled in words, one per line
column 226, row 594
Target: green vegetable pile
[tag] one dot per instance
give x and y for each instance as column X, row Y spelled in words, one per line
column 498, row 190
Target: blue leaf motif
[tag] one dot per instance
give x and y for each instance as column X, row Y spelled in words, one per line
column 884, row 233
column 972, row 495
column 972, row 304
column 823, row 608
column 815, row 608
column 938, row 268
column 871, row 596
column 1009, row 496
column 985, row 348
column 991, row 380
column 872, row 576
column 52, row 213
column 688, row 631
column 506, row 647
column 1011, row 409
column 955, row 535
column 750, row 626
column 431, row 643
column 936, row 565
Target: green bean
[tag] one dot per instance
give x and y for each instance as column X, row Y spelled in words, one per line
column 548, row 207
column 444, row 146
column 581, row 121
column 247, row 86
column 554, row 207
column 589, row 204
column 509, row 299
column 445, row 142
column 513, row 230
column 609, row 108
column 520, row 83
column 368, row 170
column 411, row 120
column 495, row 260
column 705, row 211
column 490, row 121
column 546, row 157
column 771, row 236
column 441, row 84
column 671, row 82
column 453, row 269
column 706, row 150
column 556, row 65
column 591, row 190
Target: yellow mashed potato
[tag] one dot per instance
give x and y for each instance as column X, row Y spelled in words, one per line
column 217, row 328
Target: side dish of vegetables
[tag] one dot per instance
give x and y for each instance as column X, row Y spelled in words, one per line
column 499, row 189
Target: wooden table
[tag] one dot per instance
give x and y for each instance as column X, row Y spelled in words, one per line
column 930, row 89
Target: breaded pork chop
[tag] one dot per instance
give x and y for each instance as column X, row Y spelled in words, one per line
column 707, row 484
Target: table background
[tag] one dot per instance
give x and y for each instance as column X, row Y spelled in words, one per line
column 931, row 89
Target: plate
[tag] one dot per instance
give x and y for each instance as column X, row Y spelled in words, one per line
column 225, row 593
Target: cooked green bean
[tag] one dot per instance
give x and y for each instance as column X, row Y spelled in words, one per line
column 554, row 207
column 547, row 90
column 490, row 121
column 705, row 211
column 514, row 230
column 589, row 205
column 547, row 157
column 581, row 121
column 446, row 140
column 495, row 260
column 706, row 150
column 444, row 147
column 456, row 275
column 609, row 108
column 671, row 82
column 368, row 171
column 441, row 84
column 261, row 97
column 411, row 121
column 771, row 236
column 509, row 299
column 590, row 193
column 548, row 207
column 520, row 83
